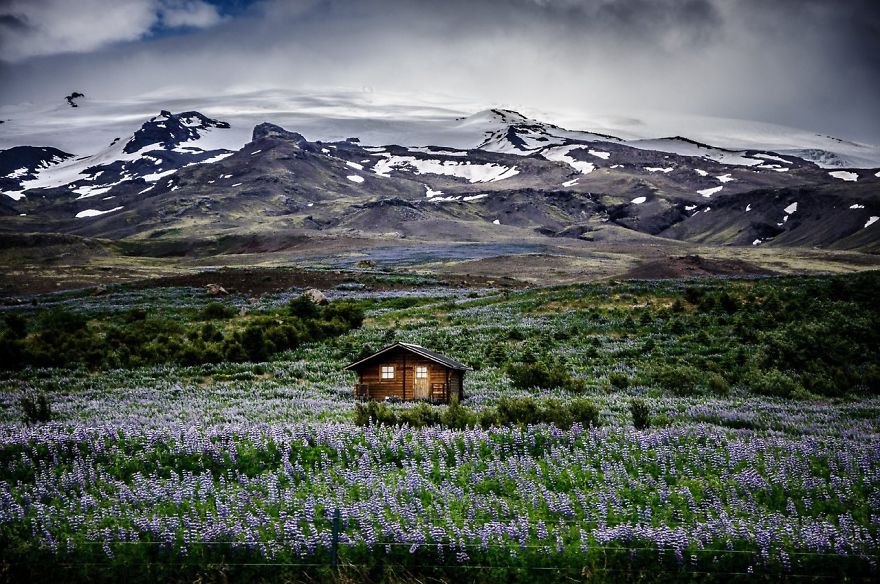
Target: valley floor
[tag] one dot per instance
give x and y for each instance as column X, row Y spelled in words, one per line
column 761, row 457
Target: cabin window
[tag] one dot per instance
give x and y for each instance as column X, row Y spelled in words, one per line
column 387, row 372
column 421, row 372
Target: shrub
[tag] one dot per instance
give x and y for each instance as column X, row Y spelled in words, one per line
column 641, row 415
column 303, row 307
column 618, row 380
column 35, row 410
column 538, row 374
column 217, row 311
column 420, row 416
column 457, row 416
column 775, row 383
column 374, row 413
column 512, row 411
column 584, row 411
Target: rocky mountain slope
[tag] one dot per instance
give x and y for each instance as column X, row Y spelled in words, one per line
column 480, row 176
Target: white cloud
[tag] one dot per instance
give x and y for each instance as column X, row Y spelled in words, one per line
column 188, row 13
column 30, row 28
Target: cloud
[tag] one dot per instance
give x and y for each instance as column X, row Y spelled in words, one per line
column 188, row 13
column 30, row 28
column 807, row 63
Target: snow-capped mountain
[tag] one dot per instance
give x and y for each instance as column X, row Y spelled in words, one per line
column 426, row 174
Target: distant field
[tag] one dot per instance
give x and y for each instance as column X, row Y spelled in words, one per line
column 185, row 459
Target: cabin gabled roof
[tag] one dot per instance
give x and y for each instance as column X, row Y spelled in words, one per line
column 418, row 350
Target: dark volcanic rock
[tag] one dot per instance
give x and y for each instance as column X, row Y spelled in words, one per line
column 168, row 130
column 266, row 130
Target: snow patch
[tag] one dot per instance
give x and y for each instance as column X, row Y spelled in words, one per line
column 600, row 154
column 355, row 165
column 85, row 192
column 748, row 207
column 845, row 175
column 496, row 222
column 560, row 154
column 701, row 172
column 639, row 200
column 658, row 169
column 724, row 178
column 790, row 209
column 355, row 178
column 94, row 212
column 429, row 192
column 709, row 192
column 571, row 183
column 157, row 175
column 856, row 206
column 871, row 221
column 474, row 173
column 470, row 198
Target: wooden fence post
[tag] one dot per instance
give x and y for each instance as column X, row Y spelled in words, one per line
column 334, row 542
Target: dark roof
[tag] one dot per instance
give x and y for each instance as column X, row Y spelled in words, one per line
column 418, row 350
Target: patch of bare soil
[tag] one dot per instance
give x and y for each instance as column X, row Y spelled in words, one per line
column 257, row 281
column 693, row 266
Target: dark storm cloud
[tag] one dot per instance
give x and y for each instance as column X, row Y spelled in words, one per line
column 808, row 63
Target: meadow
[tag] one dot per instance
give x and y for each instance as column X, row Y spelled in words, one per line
column 755, row 453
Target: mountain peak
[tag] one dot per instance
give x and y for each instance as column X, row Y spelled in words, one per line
column 267, row 130
column 168, row 130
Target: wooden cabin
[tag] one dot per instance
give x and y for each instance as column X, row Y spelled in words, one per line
column 409, row 372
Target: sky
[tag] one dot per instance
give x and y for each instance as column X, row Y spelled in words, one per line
column 810, row 64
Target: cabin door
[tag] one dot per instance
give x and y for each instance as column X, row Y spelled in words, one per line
column 420, row 384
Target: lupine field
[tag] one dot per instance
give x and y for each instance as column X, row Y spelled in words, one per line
column 760, row 458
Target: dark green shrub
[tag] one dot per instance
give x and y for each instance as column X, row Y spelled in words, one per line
column 641, row 415
column 374, row 413
column 217, row 311
column 774, row 383
column 618, row 380
column 420, row 416
column 693, row 295
column 538, row 374
column 584, row 411
column 35, row 410
column 679, row 379
column 488, row 418
column 457, row 416
column 303, row 307
column 513, row 411
column 553, row 412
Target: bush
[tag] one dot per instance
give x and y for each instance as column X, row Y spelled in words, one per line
column 513, row 411
column 457, row 416
column 641, row 415
column 420, row 416
column 618, row 380
column 374, row 413
column 303, row 307
column 584, row 411
column 538, row 374
column 775, row 383
column 35, row 410
column 217, row 311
